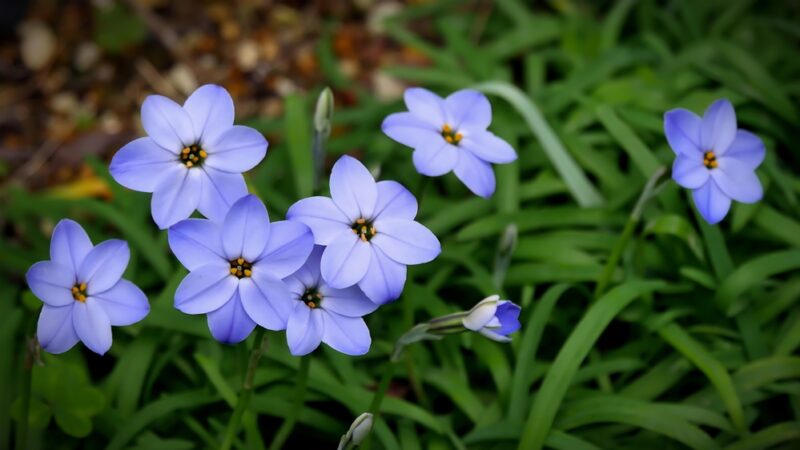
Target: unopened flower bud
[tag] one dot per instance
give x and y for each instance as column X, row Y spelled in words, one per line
column 493, row 318
column 358, row 431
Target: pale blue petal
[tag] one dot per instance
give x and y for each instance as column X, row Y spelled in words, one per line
column 142, row 164
column 309, row 275
column 304, row 330
column 124, row 303
column 104, row 265
column 682, row 129
column 410, row 130
column 246, row 229
column 711, row 202
column 353, row 188
column 69, row 245
column 322, row 216
column 719, row 127
column 689, row 172
column 345, row 261
column 747, row 148
column 55, row 331
column 287, row 249
column 218, row 192
column 508, row 315
column 92, row 325
column 395, row 202
column 167, row 123
column 494, row 335
column 348, row 335
column 51, row 283
column 237, row 150
column 349, row 302
column 737, row 180
column 477, row 175
column 205, row 289
column 196, row 242
column 426, row 105
column 488, row 147
column 435, row 158
column 210, row 107
column 230, row 324
column 177, row 196
column 266, row 299
column 468, row 109
column 385, row 278
column 406, row 241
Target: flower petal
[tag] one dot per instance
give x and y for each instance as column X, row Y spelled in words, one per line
column 309, row 274
column 719, row 127
column 435, row 158
column 747, row 148
column 426, row 105
column 737, row 180
column 477, row 175
column 124, row 303
column 205, row 289
column 69, row 245
column 468, row 109
column 287, row 249
column 141, row 164
column 51, row 283
column 345, row 261
column 92, row 325
column 176, row 197
column 689, row 172
column 219, row 190
column 304, row 330
column 104, row 265
column 55, row 331
column 410, row 130
column 494, row 335
column 480, row 315
column 488, row 147
column 348, row 302
column 230, row 324
column 196, row 242
column 353, row 188
column 385, row 278
column 266, row 299
column 210, row 108
column 406, row 241
column 348, row 335
column 394, row 202
column 246, row 229
column 167, row 123
column 711, row 202
column 322, row 216
column 508, row 315
column 237, row 150
column 682, row 129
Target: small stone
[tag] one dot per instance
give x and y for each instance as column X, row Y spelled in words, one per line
column 247, row 54
column 379, row 14
column 64, row 103
column 386, row 87
column 182, row 78
column 37, row 44
column 285, row 87
column 349, row 68
column 86, row 55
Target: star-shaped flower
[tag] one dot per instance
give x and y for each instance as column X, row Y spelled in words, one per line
column 192, row 158
column 83, row 291
column 714, row 158
column 369, row 231
column 236, row 268
column 451, row 135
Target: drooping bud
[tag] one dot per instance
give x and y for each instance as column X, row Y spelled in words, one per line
column 359, row 430
column 323, row 122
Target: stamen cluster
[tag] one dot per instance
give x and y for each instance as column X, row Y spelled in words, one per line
column 79, row 292
column 193, row 155
column 452, row 137
column 710, row 160
column 241, row 268
column 364, row 229
column 311, row 297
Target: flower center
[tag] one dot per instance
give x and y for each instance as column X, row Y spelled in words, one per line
column 193, row 156
column 710, row 160
column 364, row 229
column 241, row 268
column 79, row 292
column 452, row 137
column 311, row 297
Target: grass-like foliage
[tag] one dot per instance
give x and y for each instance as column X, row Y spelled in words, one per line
column 642, row 326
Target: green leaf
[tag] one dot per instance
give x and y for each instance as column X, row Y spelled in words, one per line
column 298, row 141
column 751, row 274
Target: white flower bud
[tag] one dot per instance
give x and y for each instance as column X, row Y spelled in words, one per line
column 481, row 313
column 358, row 431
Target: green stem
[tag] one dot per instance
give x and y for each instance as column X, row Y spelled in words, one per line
column 648, row 192
column 299, row 397
column 419, row 192
column 246, row 392
column 27, row 376
column 380, row 393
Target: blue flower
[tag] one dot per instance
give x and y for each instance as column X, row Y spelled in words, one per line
column 83, row 291
column 369, row 231
column 323, row 313
column 450, row 134
column 494, row 318
column 192, row 158
column 714, row 158
column 236, row 268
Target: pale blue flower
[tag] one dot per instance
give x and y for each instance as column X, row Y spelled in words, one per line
column 493, row 318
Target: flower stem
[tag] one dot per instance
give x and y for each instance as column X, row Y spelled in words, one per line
column 299, row 397
column 380, row 393
column 247, row 390
column 27, row 376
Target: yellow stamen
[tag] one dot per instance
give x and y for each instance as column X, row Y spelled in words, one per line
column 240, row 261
column 361, row 221
column 373, row 231
column 189, row 164
column 203, row 154
column 312, row 305
column 247, row 272
column 446, row 129
column 233, row 271
column 458, row 137
column 185, row 150
column 449, row 139
column 83, row 286
column 81, row 298
column 364, row 238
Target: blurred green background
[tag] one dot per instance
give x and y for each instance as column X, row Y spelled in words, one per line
column 641, row 331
